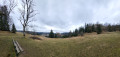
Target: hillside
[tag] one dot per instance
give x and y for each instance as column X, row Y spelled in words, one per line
column 91, row 45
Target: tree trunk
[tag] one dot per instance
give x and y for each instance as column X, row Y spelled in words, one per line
column 23, row 31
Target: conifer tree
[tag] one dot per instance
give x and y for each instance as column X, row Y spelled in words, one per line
column 109, row 28
column 1, row 21
column 4, row 20
column 76, row 32
column 93, row 28
column 87, row 28
column 99, row 29
column 51, row 34
column 119, row 27
column 13, row 29
column 81, row 31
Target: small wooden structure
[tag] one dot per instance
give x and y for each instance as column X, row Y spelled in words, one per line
column 18, row 48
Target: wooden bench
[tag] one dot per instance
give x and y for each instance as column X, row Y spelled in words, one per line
column 18, row 48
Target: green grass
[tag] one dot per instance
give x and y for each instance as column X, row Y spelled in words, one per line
column 91, row 45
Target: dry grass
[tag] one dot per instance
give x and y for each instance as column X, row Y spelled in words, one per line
column 91, row 45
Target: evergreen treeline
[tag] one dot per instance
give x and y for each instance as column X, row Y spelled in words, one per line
column 89, row 28
column 98, row 28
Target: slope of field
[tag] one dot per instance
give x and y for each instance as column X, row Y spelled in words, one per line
column 91, row 45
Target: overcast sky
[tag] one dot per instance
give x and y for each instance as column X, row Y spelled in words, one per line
column 66, row 15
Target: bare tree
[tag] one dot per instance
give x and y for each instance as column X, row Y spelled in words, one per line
column 27, row 13
column 11, row 4
column 33, row 28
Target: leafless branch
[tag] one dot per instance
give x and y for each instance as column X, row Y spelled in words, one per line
column 26, row 13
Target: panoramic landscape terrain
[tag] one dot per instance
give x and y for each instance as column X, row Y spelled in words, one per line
column 91, row 45
column 59, row 28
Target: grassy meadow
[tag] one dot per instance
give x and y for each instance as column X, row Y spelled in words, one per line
column 106, row 44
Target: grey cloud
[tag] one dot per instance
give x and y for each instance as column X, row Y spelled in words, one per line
column 63, row 14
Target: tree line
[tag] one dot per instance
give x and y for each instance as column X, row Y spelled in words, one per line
column 89, row 28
